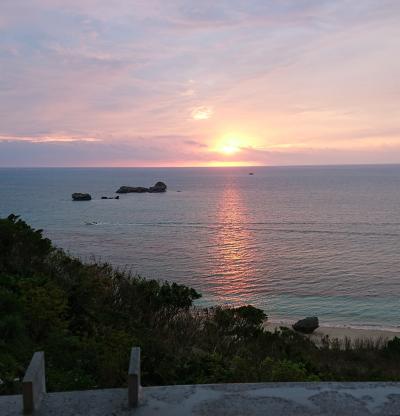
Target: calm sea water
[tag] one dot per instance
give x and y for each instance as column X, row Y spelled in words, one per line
column 293, row 241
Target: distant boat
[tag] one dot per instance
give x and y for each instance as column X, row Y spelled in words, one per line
column 251, row 173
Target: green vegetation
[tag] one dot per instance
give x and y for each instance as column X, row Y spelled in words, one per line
column 86, row 318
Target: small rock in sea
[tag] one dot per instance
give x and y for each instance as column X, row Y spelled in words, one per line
column 77, row 196
column 158, row 187
column 110, row 197
column 306, row 325
column 251, row 173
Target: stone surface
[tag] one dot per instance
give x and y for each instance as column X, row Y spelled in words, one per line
column 134, row 387
column 77, row 196
column 34, row 383
column 132, row 189
column 157, row 188
column 262, row 399
column 306, row 325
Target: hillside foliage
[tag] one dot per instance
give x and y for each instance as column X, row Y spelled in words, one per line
column 86, row 317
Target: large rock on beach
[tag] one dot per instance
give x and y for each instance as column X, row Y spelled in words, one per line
column 77, row 196
column 158, row 187
column 306, row 325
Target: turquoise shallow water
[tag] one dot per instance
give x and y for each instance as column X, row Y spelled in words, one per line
column 294, row 241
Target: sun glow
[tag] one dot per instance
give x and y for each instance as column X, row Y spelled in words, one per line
column 229, row 149
column 229, row 145
column 233, row 149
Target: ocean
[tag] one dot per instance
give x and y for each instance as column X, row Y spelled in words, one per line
column 294, row 241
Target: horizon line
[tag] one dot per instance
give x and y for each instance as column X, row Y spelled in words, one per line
column 200, row 166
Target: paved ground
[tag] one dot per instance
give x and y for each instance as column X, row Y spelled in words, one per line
column 275, row 399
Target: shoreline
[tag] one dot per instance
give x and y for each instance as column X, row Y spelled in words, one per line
column 341, row 333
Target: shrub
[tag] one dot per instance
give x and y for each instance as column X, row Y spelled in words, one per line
column 87, row 316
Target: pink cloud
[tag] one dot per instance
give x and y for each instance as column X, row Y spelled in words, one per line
column 312, row 80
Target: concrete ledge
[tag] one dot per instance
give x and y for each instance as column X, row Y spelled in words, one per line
column 259, row 399
column 134, row 386
column 34, row 383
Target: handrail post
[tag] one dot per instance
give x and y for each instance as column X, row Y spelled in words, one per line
column 34, row 383
column 134, row 386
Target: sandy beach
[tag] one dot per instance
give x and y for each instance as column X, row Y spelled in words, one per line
column 342, row 332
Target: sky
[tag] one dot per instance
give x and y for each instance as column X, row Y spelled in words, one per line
column 199, row 83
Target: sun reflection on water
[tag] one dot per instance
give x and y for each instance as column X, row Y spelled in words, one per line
column 234, row 252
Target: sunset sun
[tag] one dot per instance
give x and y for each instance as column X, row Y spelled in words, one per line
column 229, row 149
column 229, row 146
